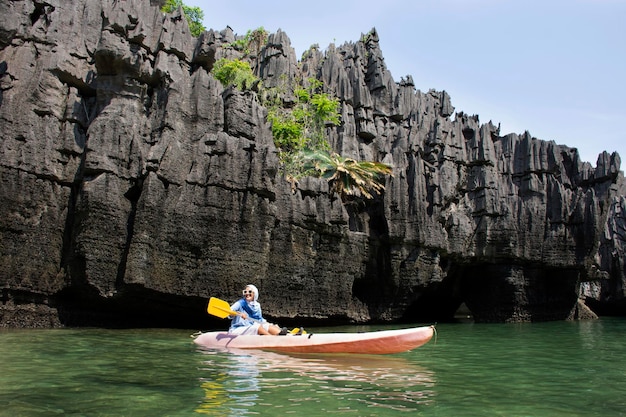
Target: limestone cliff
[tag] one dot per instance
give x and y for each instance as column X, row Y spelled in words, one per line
column 134, row 187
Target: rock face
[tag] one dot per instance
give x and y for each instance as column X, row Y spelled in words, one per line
column 134, row 187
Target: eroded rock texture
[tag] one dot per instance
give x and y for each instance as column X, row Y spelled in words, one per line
column 134, row 187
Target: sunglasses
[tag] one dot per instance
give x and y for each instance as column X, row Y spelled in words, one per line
column 247, row 292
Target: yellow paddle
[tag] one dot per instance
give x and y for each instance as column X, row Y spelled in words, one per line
column 220, row 308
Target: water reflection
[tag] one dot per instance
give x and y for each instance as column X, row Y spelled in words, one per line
column 245, row 382
column 591, row 334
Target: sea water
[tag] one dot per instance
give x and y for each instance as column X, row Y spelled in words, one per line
column 540, row 369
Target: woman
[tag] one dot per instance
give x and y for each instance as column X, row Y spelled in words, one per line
column 250, row 319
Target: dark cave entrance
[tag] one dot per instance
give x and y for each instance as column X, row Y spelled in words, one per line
column 496, row 293
column 443, row 302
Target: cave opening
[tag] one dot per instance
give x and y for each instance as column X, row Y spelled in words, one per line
column 444, row 302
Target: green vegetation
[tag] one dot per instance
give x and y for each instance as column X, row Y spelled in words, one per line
column 301, row 127
column 254, row 39
column 251, row 44
column 299, row 113
column 346, row 176
column 194, row 15
column 234, row 72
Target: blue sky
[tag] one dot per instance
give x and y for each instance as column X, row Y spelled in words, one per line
column 553, row 67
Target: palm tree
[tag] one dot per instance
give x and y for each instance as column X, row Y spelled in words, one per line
column 346, row 176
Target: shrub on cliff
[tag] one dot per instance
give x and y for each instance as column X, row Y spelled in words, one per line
column 234, row 72
column 254, row 39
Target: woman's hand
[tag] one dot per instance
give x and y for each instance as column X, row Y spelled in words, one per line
column 244, row 316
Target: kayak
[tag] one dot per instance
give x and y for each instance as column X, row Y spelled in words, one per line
column 377, row 342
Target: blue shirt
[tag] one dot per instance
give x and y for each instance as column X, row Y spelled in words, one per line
column 242, row 305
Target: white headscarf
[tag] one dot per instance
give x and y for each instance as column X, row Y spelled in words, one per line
column 255, row 290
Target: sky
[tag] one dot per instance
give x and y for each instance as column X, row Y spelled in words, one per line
column 554, row 68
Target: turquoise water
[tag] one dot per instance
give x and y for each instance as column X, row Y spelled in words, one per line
column 541, row 369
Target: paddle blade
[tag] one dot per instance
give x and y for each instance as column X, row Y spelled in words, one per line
column 219, row 308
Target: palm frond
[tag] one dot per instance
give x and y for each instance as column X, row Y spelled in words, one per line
column 347, row 176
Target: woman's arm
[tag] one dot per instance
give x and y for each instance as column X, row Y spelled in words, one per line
column 238, row 307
